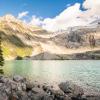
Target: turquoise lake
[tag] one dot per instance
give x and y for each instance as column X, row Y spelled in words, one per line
column 84, row 72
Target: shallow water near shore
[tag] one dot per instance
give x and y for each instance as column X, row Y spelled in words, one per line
column 83, row 72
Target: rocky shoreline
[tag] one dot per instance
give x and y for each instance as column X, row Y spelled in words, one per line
column 89, row 55
column 19, row 88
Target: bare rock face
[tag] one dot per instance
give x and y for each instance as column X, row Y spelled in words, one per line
column 75, row 37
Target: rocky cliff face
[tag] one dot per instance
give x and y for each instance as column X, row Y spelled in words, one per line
column 78, row 37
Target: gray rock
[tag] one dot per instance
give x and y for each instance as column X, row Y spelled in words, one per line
column 36, row 97
column 29, row 93
column 20, row 89
column 3, row 97
column 67, row 98
column 29, row 86
column 36, row 90
column 8, row 91
column 13, row 86
column 18, row 78
column 84, row 97
column 46, row 88
column 19, row 93
column 93, row 97
column 25, row 97
column 1, row 84
column 23, row 86
column 68, row 87
column 13, row 96
column 58, row 94
column 47, row 97
column 4, row 80
column 40, row 94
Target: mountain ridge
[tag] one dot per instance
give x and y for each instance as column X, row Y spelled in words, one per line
column 21, row 39
column 18, row 36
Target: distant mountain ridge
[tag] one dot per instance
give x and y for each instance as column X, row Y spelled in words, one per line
column 21, row 39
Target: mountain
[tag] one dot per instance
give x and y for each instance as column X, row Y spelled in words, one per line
column 95, row 23
column 24, row 40
column 18, row 38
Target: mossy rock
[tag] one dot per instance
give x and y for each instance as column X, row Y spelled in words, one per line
column 19, row 58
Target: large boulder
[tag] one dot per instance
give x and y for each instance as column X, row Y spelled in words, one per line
column 70, row 88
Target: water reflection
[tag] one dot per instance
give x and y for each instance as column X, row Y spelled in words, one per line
column 22, row 68
column 44, row 70
column 56, row 71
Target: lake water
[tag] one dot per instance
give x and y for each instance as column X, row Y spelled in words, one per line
column 85, row 73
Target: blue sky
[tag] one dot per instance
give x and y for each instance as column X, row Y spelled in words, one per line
column 43, row 8
column 53, row 15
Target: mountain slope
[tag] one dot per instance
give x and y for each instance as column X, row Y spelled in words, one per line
column 21, row 39
column 17, row 37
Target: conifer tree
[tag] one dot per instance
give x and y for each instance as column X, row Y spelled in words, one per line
column 1, row 55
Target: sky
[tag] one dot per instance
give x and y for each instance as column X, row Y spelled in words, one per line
column 52, row 15
column 40, row 8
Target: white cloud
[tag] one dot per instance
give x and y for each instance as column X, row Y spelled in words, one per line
column 22, row 14
column 93, row 7
column 71, row 16
column 68, row 5
column 36, row 21
column 65, row 19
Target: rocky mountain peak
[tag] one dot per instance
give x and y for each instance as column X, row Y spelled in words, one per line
column 9, row 18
